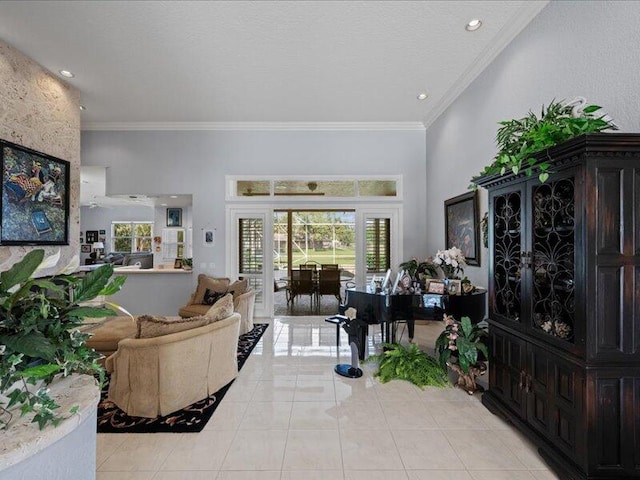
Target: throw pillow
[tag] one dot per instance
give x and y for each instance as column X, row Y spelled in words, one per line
column 150, row 326
column 223, row 308
column 211, row 296
column 238, row 287
column 212, row 283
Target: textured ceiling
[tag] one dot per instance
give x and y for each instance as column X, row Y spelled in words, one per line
column 263, row 61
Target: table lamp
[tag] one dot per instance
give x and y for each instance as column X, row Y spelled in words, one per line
column 97, row 248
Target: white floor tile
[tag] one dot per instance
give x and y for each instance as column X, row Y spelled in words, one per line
column 375, row 475
column 256, row 450
column 248, row 475
column 438, row 475
column 368, row 450
column 482, row 450
column 425, row 450
column 125, row 475
column 266, row 416
column 140, row 452
column 200, row 451
column 314, row 416
column 313, row 450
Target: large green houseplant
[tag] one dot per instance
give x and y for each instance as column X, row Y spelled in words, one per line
column 519, row 139
column 460, row 346
column 39, row 336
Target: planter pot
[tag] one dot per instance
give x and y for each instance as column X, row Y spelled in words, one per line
column 55, row 453
column 467, row 381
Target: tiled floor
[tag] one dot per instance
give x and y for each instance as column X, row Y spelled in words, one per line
column 289, row 417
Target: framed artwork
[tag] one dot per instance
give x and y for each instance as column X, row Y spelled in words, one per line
column 92, row 236
column 177, row 263
column 454, row 287
column 81, row 240
column 209, row 238
column 435, row 287
column 85, row 248
column 461, row 226
column 174, row 217
column 34, row 204
column 103, row 232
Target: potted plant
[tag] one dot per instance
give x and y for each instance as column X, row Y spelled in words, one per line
column 461, row 346
column 519, row 139
column 39, row 336
column 420, row 271
column 408, row 363
column 187, row 263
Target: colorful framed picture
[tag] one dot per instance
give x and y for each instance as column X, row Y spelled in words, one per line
column 103, row 232
column 461, row 226
column 34, row 204
column 85, row 248
column 436, row 287
column 174, row 217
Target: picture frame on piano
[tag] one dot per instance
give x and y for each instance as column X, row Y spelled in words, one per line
column 436, row 287
column 397, row 281
column 387, row 279
column 454, row 287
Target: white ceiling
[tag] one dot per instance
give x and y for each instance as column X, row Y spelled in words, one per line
column 163, row 64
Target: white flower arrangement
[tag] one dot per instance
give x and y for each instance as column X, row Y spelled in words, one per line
column 451, row 261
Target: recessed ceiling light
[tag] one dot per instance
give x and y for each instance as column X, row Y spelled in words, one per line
column 473, row 25
column 82, row 107
column 422, row 96
column 67, row 73
column 173, row 196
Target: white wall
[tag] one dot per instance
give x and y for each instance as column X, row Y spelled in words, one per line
column 570, row 49
column 197, row 162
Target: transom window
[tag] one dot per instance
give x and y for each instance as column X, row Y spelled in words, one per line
column 128, row 237
column 323, row 187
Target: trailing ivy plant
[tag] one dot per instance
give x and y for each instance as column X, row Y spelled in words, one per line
column 518, row 139
column 411, row 364
column 39, row 337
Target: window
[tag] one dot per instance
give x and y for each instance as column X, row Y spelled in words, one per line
column 377, row 237
column 131, row 236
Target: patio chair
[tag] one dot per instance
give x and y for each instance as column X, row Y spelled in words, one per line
column 329, row 284
column 329, row 266
column 302, row 284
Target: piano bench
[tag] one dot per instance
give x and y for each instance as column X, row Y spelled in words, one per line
column 338, row 321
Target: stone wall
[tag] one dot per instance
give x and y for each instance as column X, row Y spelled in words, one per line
column 40, row 111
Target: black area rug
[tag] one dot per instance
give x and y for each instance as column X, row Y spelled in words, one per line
column 190, row 419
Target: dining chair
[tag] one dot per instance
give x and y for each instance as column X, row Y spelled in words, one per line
column 302, row 284
column 329, row 284
column 329, row 266
column 309, row 266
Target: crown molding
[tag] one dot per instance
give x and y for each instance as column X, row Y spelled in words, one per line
column 503, row 38
column 253, row 126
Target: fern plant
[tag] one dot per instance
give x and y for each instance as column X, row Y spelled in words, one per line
column 411, row 364
column 518, row 139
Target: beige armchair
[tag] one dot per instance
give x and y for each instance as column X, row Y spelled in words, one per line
column 243, row 303
column 157, row 376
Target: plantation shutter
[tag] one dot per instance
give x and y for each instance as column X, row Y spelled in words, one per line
column 251, row 254
column 378, row 244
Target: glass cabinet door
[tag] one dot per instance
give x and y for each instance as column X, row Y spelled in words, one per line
column 507, row 255
column 553, row 265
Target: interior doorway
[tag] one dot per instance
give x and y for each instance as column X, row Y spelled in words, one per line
column 312, row 238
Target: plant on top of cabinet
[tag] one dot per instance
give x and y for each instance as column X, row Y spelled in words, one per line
column 519, row 139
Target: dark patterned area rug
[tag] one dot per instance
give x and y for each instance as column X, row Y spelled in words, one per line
column 190, row 419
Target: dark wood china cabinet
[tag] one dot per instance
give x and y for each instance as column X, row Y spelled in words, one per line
column 564, row 306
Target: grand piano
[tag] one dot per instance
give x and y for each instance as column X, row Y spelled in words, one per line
column 385, row 309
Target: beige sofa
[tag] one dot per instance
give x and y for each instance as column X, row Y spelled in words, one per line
column 244, row 299
column 157, row 376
